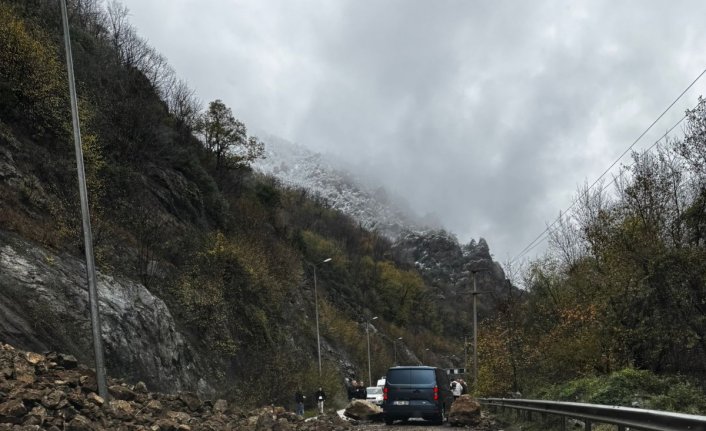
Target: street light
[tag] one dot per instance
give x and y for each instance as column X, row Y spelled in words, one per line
column 316, row 301
column 394, row 344
column 367, row 335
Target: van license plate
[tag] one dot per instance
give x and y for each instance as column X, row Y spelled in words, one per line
column 401, row 403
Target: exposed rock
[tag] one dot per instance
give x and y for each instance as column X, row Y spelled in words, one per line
column 179, row 417
column 80, row 423
column 67, row 361
column 191, row 400
column 34, row 358
column 44, row 307
column 465, row 411
column 10, row 410
column 121, row 392
column 121, row 409
column 362, row 410
column 220, row 406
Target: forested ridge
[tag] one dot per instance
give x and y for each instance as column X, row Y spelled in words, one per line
column 621, row 291
column 176, row 206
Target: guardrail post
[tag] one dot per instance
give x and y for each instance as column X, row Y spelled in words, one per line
column 563, row 423
column 588, row 426
column 621, row 427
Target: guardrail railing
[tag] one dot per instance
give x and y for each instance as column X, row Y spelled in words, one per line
column 624, row 417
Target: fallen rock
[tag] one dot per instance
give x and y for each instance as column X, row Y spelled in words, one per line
column 220, row 406
column 54, row 397
column 465, row 411
column 80, row 423
column 192, row 401
column 120, row 392
column 11, row 410
column 362, row 410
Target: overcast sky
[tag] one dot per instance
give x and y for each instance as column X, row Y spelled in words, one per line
column 487, row 113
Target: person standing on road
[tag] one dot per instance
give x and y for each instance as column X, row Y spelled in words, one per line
column 464, row 386
column 320, row 398
column 361, row 392
column 456, row 389
column 352, row 387
column 299, row 400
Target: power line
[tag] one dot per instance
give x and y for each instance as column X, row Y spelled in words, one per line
column 540, row 238
column 543, row 236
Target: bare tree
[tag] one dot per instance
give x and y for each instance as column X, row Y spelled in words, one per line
column 183, row 103
column 566, row 240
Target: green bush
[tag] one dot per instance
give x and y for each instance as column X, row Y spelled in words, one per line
column 632, row 388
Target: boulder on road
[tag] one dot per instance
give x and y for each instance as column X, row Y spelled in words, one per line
column 362, row 410
column 465, row 411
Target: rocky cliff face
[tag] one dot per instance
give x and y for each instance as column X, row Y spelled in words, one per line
column 447, row 266
column 44, row 307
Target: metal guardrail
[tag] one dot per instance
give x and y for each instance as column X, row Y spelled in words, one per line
column 624, row 417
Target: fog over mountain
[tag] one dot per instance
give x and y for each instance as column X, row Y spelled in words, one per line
column 488, row 114
column 362, row 197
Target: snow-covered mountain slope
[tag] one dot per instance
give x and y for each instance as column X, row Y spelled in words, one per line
column 373, row 207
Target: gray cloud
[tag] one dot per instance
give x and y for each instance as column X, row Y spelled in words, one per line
column 486, row 113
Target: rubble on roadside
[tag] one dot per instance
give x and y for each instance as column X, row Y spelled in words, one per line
column 54, row 392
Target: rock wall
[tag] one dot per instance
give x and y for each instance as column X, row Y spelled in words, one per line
column 44, row 307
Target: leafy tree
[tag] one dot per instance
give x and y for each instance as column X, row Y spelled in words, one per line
column 227, row 138
column 31, row 87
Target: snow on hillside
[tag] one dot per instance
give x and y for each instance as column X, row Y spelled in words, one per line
column 297, row 166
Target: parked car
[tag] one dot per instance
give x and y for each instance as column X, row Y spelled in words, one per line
column 416, row 392
column 374, row 394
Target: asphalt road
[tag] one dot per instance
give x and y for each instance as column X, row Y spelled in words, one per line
column 488, row 423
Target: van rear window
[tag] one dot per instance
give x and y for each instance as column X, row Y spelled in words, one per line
column 410, row 377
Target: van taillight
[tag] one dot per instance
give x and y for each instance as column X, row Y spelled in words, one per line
column 436, row 393
column 384, row 393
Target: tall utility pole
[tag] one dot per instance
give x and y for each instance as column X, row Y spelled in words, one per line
column 394, row 343
column 367, row 335
column 87, row 235
column 316, row 302
column 475, row 333
column 465, row 351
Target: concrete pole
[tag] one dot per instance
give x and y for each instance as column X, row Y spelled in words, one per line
column 465, row 352
column 86, row 218
column 318, row 338
column 367, row 335
column 316, row 302
column 475, row 334
column 394, row 344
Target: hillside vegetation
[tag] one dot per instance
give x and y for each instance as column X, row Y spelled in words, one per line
column 230, row 251
column 623, row 288
column 176, row 207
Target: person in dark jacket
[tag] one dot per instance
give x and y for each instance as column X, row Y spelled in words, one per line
column 361, row 392
column 320, row 398
column 299, row 400
column 351, row 386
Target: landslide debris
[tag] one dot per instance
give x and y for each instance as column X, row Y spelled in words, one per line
column 53, row 391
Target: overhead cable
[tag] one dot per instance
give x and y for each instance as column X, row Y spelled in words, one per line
column 540, row 238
